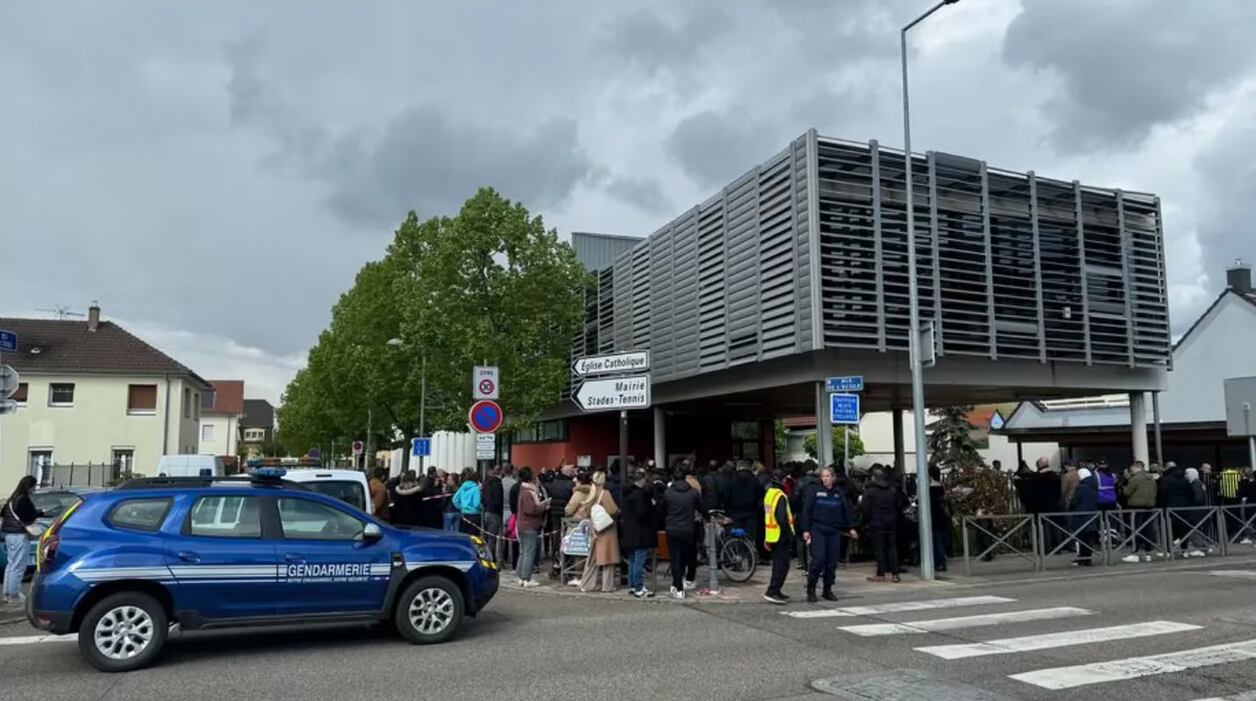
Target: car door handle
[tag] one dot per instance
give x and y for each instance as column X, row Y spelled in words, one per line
column 291, row 557
column 187, row 556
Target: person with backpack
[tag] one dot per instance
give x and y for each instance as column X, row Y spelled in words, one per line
column 681, row 506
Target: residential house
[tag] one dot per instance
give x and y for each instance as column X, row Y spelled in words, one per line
column 257, row 428
column 222, row 407
column 93, row 393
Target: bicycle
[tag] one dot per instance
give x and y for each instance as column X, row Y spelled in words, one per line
column 736, row 549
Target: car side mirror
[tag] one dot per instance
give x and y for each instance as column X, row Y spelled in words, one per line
column 371, row 533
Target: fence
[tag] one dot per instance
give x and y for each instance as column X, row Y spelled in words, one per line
column 1145, row 534
column 75, row 475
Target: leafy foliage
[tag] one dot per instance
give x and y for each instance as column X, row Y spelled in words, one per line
column 488, row 285
column 839, row 437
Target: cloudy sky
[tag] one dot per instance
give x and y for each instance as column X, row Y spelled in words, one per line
column 215, row 173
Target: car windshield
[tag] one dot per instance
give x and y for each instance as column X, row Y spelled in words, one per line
column 53, row 504
column 347, row 491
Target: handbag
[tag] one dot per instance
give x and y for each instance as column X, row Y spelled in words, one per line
column 601, row 518
column 512, row 525
column 33, row 530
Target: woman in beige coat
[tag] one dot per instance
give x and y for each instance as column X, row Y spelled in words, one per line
column 605, row 553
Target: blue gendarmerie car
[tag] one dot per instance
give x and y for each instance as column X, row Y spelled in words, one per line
column 121, row 567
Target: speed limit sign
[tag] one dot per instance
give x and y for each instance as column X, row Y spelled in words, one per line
column 484, row 383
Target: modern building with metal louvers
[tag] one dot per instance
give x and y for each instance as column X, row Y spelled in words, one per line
column 1033, row 287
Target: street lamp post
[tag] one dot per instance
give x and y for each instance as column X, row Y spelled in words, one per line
column 913, row 341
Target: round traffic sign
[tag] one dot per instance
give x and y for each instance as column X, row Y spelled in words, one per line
column 487, row 387
column 485, row 416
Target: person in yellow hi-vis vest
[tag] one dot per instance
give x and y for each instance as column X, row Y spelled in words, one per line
column 778, row 536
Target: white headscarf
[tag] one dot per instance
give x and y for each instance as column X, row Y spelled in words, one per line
column 1192, row 475
column 1083, row 474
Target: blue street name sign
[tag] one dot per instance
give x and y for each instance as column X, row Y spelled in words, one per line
column 420, row 447
column 8, row 341
column 844, row 408
column 849, row 383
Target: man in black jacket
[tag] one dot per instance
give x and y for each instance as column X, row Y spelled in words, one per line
column 560, row 488
column 681, row 505
column 745, row 502
column 807, row 484
column 882, row 505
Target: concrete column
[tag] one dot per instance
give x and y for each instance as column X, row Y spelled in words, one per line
column 899, row 449
column 660, row 437
column 824, row 428
column 1138, row 426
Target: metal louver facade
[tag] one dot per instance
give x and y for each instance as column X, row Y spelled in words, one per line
column 809, row 251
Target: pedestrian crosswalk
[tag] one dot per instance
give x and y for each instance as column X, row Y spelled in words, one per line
column 927, row 619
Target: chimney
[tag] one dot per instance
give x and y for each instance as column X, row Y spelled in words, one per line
column 1238, row 277
column 93, row 316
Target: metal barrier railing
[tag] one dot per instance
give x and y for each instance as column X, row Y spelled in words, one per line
column 1018, row 523
column 1134, row 529
column 1081, row 526
column 1238, row 526
column 1193, row 528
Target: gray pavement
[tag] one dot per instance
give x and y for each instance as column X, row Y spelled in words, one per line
column 529, row 646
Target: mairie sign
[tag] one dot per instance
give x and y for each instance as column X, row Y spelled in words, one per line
column 628, row 392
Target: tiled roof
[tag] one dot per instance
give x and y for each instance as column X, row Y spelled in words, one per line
column 228, row 397
column 63, row 346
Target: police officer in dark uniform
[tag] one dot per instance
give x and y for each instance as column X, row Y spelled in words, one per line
column 825, row 514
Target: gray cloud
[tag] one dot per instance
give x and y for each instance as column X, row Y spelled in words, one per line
column 1129, row 65
column 1227, row 226
column 713, row 148
column 643, row 193
column 645, row 38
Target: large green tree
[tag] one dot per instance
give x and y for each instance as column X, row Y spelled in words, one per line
column 488, row 285
column 951, row 443
column 839, row 445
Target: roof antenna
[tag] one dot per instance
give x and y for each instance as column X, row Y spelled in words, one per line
column 61, row 311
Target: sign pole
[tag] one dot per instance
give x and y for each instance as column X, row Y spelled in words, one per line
column 846, row 449
column 623, row 451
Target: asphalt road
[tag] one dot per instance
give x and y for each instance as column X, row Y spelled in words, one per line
column 1158, row 633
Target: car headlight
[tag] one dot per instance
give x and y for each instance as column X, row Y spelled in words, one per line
column 481, row 551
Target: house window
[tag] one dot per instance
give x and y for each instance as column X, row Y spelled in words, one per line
column 543, row 432
column 124, row 459
column 141, row 399
column 207, row 432
column 746, row 440
column 187, row 403
column 61, row 394
column 20, row 395
column 196, row 407
column 40, row 466
column 254, row 434
column 207, row 400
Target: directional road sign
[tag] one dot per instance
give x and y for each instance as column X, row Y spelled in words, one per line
column 485, row 416
column 8, row 341
column 484, row 382
column 635, row 361
column 844, row 408
column 628, row 392
column 420, row 447
column 9, row 381
column 847, row 383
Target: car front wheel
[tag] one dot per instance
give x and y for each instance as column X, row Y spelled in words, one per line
column 123, row 631
column 429, row 610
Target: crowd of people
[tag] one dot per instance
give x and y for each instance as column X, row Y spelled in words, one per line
column 1089, row 487
column 797, row 511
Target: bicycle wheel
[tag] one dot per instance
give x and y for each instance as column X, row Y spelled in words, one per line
column 738, row 559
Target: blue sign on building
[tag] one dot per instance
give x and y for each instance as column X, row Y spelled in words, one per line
column 844, row 408
column 420, row 447
column 848, row 383
column 8, row 341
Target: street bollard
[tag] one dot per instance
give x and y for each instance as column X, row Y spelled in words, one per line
column 713, row 560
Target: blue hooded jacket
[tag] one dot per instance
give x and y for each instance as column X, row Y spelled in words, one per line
column 467, row 498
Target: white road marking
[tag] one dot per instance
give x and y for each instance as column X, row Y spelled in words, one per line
column 900, row 607
column 1241, row 696
column 941, row 624
column 1135, row 667
column 27, row 639
column 1053, row 640
column 1233, row 573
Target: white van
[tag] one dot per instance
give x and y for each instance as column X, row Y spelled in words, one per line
column 349, row 486
column 191, row 466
